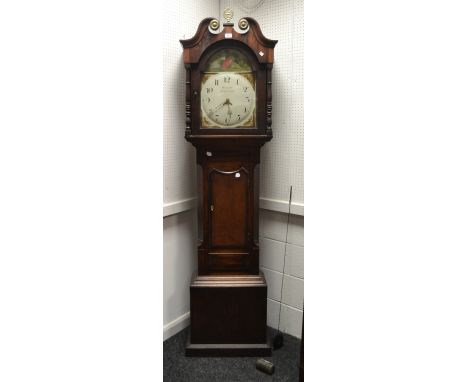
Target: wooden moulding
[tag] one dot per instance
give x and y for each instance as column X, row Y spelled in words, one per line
column 228, row 350
column 216, row 281
column 195, row 46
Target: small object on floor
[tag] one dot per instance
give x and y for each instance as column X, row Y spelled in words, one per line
column 278, row 341
column 265, row 366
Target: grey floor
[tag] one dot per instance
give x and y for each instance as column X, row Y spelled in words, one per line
column 178, row 368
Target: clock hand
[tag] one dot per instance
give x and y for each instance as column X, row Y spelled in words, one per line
column 229, row 112
column 217, row 108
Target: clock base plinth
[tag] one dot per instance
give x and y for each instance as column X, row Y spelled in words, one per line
column 228, row 316
column 228, row 350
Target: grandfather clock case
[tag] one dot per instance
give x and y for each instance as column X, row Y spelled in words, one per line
column 228, row 119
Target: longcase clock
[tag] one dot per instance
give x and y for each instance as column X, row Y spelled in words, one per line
column 228, row 119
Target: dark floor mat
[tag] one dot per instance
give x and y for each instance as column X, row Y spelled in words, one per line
column 179, row 368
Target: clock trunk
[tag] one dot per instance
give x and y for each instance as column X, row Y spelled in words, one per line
column 228, row 212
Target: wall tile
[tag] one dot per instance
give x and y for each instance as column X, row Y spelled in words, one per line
column 274, row 225
column 291, row 321
column 294, row 264
column 273, row 280
column 272, row 313
column 293, row 292
column 296, row 230
column 272, row 254
column 291, row 318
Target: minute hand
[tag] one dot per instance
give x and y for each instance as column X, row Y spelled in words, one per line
column 217, row 108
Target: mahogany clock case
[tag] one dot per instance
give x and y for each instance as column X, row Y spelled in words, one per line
column 228, row 295
column 197, row 53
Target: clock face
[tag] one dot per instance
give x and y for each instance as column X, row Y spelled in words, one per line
column 228, row 100
column 228, row 91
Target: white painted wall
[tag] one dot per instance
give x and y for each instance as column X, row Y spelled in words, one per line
column 180, row 21
column 180, row 261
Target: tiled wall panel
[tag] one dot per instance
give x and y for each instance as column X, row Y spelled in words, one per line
column 294, row 265
column 275, row 250
column 276, row 236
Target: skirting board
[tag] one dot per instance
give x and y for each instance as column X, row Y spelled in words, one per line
column 175, row 326
column 266, row 204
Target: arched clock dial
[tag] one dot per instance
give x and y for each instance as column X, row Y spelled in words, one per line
column 228, row 100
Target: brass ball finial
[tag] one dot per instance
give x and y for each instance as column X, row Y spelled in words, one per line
column 228, row 13
column 214, row 24
column 243, row 24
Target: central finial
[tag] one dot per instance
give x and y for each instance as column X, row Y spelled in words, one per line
column 228, row 13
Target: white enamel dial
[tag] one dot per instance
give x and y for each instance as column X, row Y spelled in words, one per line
column 227, row 101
